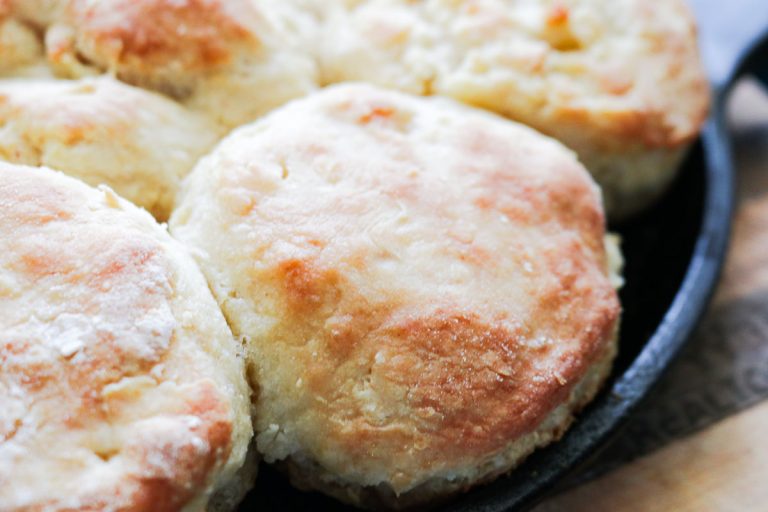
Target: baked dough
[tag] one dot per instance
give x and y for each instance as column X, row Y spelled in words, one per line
column 232, row 59
column 104, row 132
column 20, row 47
column 121, row 385
column 618, row 81
column 425, row 290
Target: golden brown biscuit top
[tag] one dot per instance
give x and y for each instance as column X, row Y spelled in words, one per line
column 420, row 283
column 604, row 77
column 598, row 75
column 188, row 35
column 233, row 60
column 111, row 397
column 104, row 132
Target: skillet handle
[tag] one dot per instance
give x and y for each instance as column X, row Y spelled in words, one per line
column 756, row 62
column 733, row 38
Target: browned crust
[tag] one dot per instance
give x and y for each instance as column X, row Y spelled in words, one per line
column 48, row 226
column 192, row 35
column 439, row 275
column 308, row 476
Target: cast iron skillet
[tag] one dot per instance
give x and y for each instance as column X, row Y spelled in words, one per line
column 673, row 254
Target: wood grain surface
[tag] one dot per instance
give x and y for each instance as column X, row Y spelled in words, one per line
column 725, row 466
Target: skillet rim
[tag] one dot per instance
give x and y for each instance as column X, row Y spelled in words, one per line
column 609, row 412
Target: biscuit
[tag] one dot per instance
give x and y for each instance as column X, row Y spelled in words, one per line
column 232, row 59
column 618, row 81
column 425, row 290
column 20, row 46
column 121, row 385
column 104, row 132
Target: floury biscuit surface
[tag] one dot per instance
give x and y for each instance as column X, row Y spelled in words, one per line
column 425, row 291
column 618, row 81
column 120, row 383
column 103, row 131
column 230, row 59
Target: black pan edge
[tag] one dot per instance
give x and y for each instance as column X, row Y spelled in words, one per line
column 609, row 412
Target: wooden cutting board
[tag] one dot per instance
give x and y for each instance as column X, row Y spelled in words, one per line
column 725, row 466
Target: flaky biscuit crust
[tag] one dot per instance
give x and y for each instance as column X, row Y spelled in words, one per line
column 419, row 285
column 232, row 59
column 122, row 387
column 103, row 131
column 620, row 81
